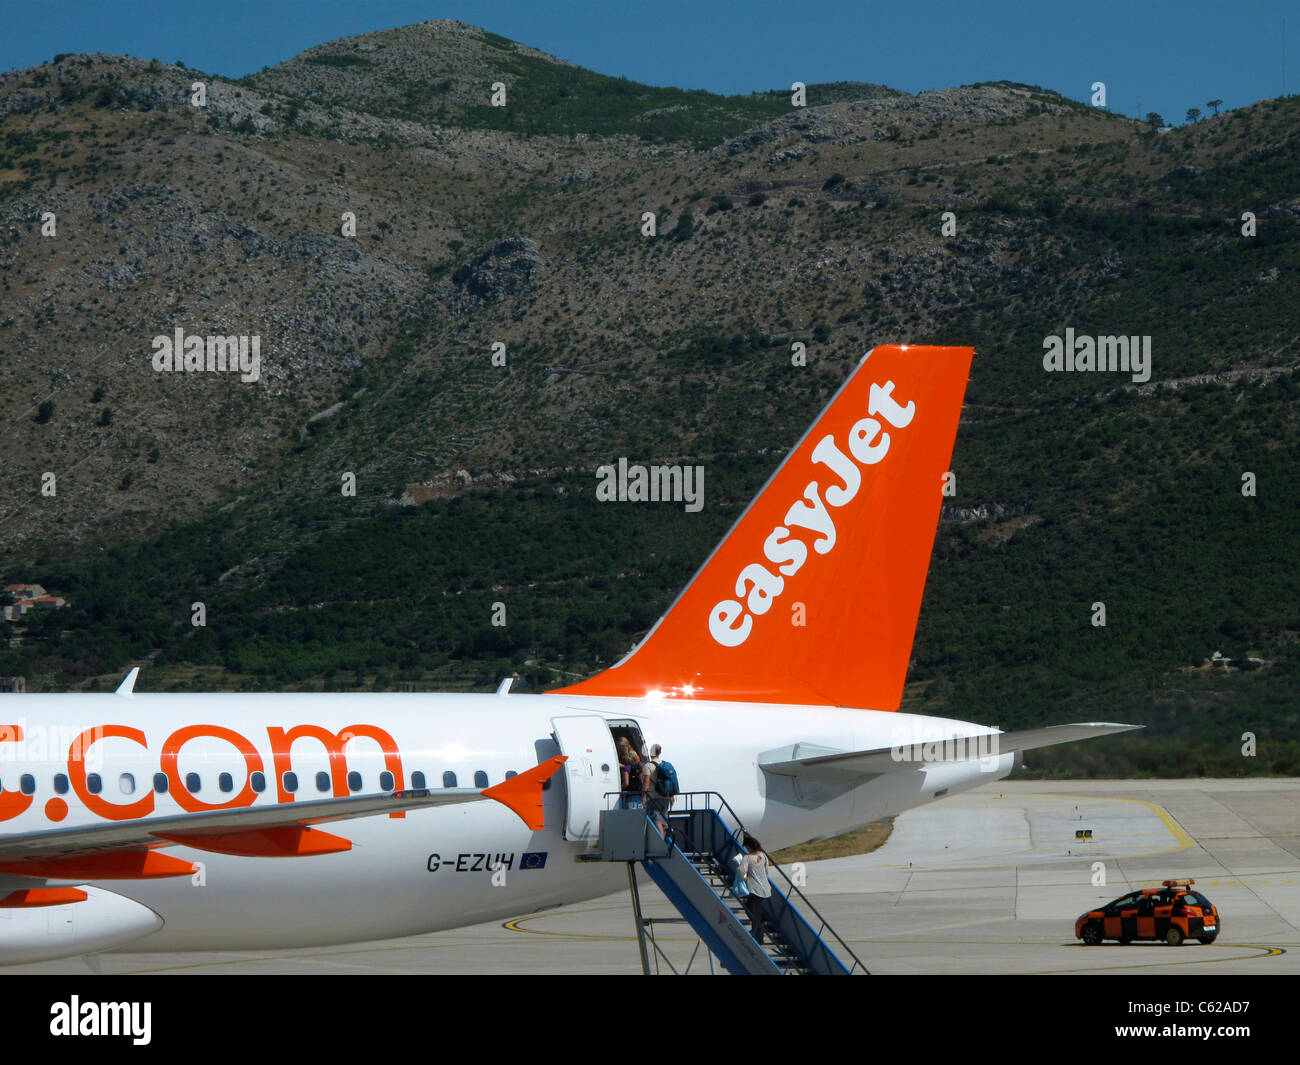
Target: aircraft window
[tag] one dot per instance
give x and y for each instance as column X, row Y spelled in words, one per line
column 322, row 782
column 417, row 779
column 127, row 783
column 385, row 781
column 480, row 779
column 510, row 773
column 160, row 783
column 225, row 782
column 291, row 781
column 93, row 783
column 354, row 781
column 60, row 784
column 28, row 783
column 192, row 783
column 258, row 781
column 449, row 779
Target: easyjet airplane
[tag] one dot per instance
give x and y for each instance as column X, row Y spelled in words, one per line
column 199, row 822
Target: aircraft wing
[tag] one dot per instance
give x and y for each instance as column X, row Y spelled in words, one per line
column 802, row 761
column 129, row 849
column 150, row 831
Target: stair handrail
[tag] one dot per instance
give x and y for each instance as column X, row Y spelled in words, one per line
column 825, row 926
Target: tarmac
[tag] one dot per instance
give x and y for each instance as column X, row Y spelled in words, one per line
column 987, row 882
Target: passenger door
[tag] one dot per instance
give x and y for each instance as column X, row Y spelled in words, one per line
column 590, row 772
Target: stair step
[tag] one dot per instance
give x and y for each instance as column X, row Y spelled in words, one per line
column 720, row 876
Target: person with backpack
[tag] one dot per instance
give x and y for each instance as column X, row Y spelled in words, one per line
column 661, row 787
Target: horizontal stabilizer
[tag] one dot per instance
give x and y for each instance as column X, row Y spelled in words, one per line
column 799, row 761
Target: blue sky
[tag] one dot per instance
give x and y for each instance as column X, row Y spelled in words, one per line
column 1163, row 57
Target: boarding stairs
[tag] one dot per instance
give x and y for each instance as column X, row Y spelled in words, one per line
column 693, row 865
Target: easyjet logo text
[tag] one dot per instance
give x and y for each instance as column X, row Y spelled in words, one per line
column 84, row 756
column 786, row 548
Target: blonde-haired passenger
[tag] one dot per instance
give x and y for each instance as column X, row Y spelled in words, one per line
column 629, row 765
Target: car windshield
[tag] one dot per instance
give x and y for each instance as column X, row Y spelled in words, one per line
column 1197, row 900
column 1127, row 900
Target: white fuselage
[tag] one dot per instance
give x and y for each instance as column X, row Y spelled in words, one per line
column 430, row 869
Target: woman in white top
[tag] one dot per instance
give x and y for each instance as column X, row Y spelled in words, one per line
column 753, row 868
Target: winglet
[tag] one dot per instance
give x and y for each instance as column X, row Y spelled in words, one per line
column 127, row 687
column 523, row 793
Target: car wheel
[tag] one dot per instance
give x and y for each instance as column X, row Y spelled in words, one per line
column 1174, row 937
column 1092, row 934
column 1207, row 940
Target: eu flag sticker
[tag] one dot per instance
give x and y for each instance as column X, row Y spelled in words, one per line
column 533, row 860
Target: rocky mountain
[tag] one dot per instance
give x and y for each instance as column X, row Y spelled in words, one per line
column 599, row 268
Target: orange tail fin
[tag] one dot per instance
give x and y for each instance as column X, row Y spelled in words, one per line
column 813, row 595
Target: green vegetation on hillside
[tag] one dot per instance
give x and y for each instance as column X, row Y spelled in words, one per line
column 677, row 348
column 550, row 99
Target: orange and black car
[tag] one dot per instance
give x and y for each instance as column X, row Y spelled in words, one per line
column 1172, row 912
